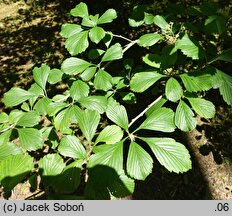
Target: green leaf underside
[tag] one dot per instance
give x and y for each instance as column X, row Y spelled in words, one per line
column 117, row 114
column 77, row 43
column 14, row 169
column 172, row 155
column 98, row 103
column 161, row 119
column 110, row 134
column 149, row 39
column 111, row 156
column 88, row 121
column 16, row 96
column 103, row 80
column 184, row 117
column 71, row 146
column 173, row 90
column 139, row 162
column 113, row 53
column 30, row 139
column 73, row 66
column 202, row 107
column 79, row 89
column 41, row 74
column 143, row 80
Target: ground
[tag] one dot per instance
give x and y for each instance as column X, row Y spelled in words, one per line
column 29, row 36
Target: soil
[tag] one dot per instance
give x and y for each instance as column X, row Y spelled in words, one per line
column 29, row 36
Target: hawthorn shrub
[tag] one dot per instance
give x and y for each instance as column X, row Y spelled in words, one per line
column 84, row 137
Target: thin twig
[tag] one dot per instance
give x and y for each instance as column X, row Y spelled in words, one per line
column 144, row 111
column 120, row 36
column 8, row 128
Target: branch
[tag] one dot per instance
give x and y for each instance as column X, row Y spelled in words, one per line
column 120, row 36
column 144, row 111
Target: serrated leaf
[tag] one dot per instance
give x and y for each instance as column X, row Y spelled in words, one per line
column 98, row 103
column 173, row 90
column 111, row 156
column 103, row 80
column 16, row 96
column 152, row 60
column 96, row 34
column 149, row 39
column 14, row 169
column 29, row 119
column 41, row 74
column 161, row 119
column 73, row 66
column 184, row 117
column 110, row 134
column 202, row 107
column 55, row 76
column 117, row 114
column 79, row 89
column 143, row 80
column 67, row 30
column 42, row 106
column 7, row 149
column 50, row 166
column 139, row 162
column 71, row 175
column 188, row 47
column 5, row 137
column 71, row 146
column 81, row 10
column 172, row 155
column 15, row 115
column 30, row 139
column 88, row 74
column 161, row 22
column 88, row 121
column 77, row 43
column 113, row 53
column 107, row 17
column 224, row 56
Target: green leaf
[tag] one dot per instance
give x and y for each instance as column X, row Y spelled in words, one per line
column 117, row 114
column 55, row 76
column 202, row 107
column 171, row 154
column 41, row 75
column 139, row 162
column 30, row 139
column 25, row 107
column 36, row 91
column 184, row 117
column 149, row 39
column 199, row 81
column 90, row 21
column 16, row 96
column 15, row 115
column 95, row 53
column 224, row 56
column 107, row 17
column 70, row 146
column 215, row 24
column 188, row 47
column 111, row 156
column 88, row 74
column 4, row 118
column 28, row 119
column 152, row 60
column 73, row 66
column 137, row 16
column 42, row 106
column 113, row 53
column 96, row 34
column 161, row 22
column 68, row 30
column 79, row 89
column 161, row 119
column 143, row 80
column 14, row 169
column 88, row 122
column 173, row 90
column 156, row 106
column 7, row 149
column 98, row 103
column 50, row 166
column 5, row 137
column 77, row 43
column 129, row 98
column 103, row 80
column 71, row 175
column 110, row 134
column 81, row 10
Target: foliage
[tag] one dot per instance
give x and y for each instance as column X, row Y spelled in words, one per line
column 87, row 133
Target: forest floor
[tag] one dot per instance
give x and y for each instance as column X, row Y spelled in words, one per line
column 29, row 36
